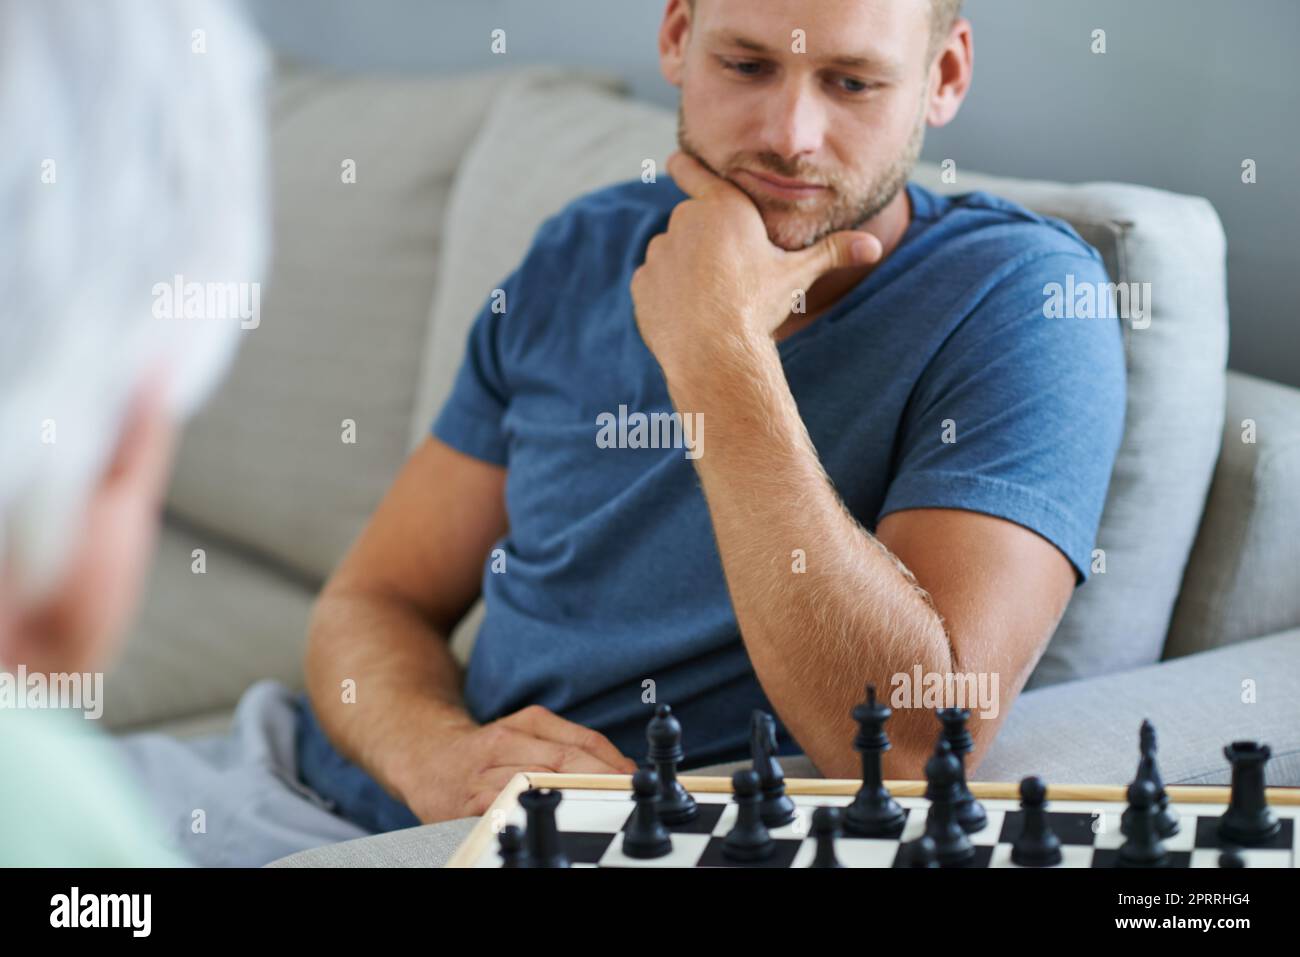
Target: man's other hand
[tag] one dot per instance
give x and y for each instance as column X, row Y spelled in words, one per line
column 470, row 764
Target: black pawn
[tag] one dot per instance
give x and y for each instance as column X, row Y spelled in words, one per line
column 1143, row 848
column 874, row 812
column 646, row 837
column 1166, row 820
column 1248, row 820
column 511, row 841
column 920, row 853
column 748, row 840
column 970, row 813
column 1230, row 856
column 664, row 733
column 1037, row 845
column 776, row 808
column 825, row 829
column 943, row 775
column 542, row 836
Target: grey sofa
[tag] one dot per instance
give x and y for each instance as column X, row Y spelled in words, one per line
column 1194, row 618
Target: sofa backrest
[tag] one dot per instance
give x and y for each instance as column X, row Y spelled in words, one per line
column 271, row 464
column 544, row 144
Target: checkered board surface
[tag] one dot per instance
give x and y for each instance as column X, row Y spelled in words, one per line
column 591, row 821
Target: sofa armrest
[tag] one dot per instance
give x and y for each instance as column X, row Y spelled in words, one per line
column 1243, row 576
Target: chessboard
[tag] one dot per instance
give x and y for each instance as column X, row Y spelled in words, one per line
column 595, row 811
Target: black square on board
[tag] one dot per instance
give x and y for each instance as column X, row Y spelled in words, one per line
column 782, row 856
column 1107, row 857
column 585, row 847
column 1207, row 835
column 704, row 822
column 1072, row 827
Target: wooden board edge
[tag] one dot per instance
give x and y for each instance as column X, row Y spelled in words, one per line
column 1184, row 794
column 472, row 848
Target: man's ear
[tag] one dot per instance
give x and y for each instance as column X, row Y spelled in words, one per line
column 674, row 34
column 76, row 625
column 950, row 74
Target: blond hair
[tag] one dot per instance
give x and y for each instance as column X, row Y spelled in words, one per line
column 943, row 14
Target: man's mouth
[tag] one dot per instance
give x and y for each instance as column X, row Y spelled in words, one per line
column 781, row 187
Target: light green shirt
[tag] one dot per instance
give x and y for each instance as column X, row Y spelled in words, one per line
column 65, row 798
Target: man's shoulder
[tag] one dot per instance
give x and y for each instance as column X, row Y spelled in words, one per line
column 994, row 228
column 620, row 208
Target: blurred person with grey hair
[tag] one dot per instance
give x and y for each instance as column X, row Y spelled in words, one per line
column 133, row 154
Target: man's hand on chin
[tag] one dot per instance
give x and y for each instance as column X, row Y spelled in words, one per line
column 467, row 764
column 715, row 279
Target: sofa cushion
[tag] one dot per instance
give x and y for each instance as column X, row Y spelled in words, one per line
column 1086, row 732
column 201, row 639
column 544, row 145
column 1246, row 560
column 344, row 316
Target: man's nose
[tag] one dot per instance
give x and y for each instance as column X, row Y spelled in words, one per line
column 794, row 121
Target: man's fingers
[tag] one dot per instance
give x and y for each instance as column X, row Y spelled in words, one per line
column 544, row 723
column 836, row 251
column 518, row 748
column 490, row 784
column 693, row 177
column 571, row 759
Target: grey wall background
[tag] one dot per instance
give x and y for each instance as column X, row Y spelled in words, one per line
column 1186, row 90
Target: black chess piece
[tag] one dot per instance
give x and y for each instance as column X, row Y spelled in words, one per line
column 748, row 840
column 970, row 813
column 943, row 775
column 874, row 812
column 511, row 840
column 646, row 837
column 776, row 808
column 542, row 836
column 1249, row 820
column 920, row 853
column 825, row 829
column 1230, row 856
column 1143, row 847
column 1037, row 845
column 1166, row 820
column 676, row 806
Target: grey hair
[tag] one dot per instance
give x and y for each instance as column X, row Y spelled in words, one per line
column 155, row 149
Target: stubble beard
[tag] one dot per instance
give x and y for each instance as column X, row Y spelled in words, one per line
column 797, row 224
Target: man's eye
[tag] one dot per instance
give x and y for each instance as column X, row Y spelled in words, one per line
column 744, row 67
column 850, row 85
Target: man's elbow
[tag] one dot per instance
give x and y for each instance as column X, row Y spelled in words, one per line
column 899, row 763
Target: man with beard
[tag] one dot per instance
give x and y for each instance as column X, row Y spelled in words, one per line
column 905, row 464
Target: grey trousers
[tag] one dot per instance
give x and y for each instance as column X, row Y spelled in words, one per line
column 1082, row 732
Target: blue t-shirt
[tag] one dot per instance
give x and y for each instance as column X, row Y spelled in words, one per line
column 937, row 382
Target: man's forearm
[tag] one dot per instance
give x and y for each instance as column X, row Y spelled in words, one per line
column 853, row 612
column 406, row 682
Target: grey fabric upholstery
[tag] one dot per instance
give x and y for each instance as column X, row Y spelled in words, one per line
column 1248, row 548
column 428, row 846
column 344, row 317
column 202, row 639
column 1086, row 732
